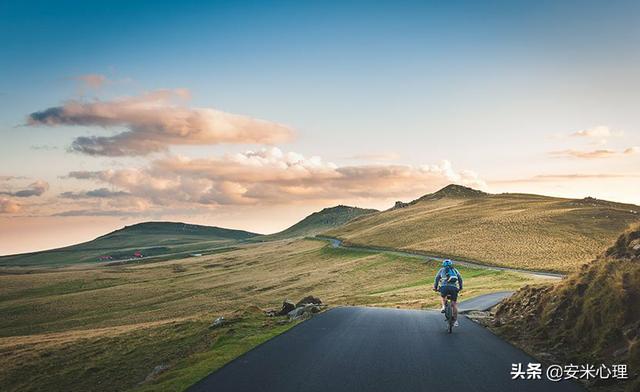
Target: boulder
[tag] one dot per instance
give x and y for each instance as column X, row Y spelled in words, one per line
column 287, row 306
column 218, row 322
column 309, row 299
column 399, row 204
column 303, row 311
column 156, row 372
column 296, row 313
column 311, row 308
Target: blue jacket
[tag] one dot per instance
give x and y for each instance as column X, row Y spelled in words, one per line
column 442, row 276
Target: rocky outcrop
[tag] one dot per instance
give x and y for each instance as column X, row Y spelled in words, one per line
column 306, row 307
column 310, row 299
column 287, row 306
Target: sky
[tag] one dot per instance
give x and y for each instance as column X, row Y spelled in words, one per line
column 252, row 115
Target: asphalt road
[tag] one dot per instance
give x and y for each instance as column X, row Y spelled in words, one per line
column 379, row 349
column 483, row 302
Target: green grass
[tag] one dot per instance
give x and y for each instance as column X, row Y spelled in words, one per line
column 91, row 327
column 230, row 343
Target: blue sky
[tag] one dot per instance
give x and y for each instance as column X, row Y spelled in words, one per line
column 496, row 88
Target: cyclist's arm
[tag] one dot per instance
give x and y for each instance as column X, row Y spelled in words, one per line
column 459, row 279
column 437, row 280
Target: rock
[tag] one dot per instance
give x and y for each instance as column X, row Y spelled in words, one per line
column 399, row 204
column 631, row 333
column 311, row 308
column 287, row 306
column 218, row 322
column 310, row 299
column 296, row 313
column 621, row 352
column 303, row 311
column 155, row 372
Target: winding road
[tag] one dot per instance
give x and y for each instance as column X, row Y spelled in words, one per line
column 379, row 349
column 337, row 243
column 383, row 349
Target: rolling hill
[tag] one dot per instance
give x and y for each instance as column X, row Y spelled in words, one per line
column 515, row 230
column 318, row 222
column 148, row 238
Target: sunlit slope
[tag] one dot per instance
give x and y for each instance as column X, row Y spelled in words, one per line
column 517, row 230
column 591, row 317
column 149, row 238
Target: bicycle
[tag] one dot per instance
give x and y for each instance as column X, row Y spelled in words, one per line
column 448, row 314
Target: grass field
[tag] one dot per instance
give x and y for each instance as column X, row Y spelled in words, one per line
column 592, row 316
column 511, row 230
column 87, row 327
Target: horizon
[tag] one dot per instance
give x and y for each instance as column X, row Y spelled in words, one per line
column 254, row 116
column 288, row 225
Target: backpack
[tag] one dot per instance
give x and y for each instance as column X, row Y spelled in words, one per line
column 451, row 275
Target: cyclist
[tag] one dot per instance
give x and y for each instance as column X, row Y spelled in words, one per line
column 450, row 282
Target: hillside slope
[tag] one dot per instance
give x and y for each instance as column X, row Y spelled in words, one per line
column 514, row 230
column 149, row 238
column 593, row 316
column 318, row 222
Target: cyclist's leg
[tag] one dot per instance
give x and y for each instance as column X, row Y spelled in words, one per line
column 442, row 296
column 454, row 302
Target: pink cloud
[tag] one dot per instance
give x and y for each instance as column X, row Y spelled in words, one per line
column 272, row 177
column 8, row 206
column 37, row 188
column 593, row 154
column 154, row 122
column 93, row 81
column 631, row 150
column 600, row 131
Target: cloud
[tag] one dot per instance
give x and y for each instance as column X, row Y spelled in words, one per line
column 272, row 177
column 600, row 131
column 92, row 81
column 43, row 147
column 566, row 177
column 8, row 206
column 592, row 154
column 36, row 188
column 153, row 122
column 94, row 212
column 95, row 193
column 11, row 178
column 382, row 156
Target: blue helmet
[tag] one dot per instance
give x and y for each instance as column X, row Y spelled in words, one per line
column 447, row 263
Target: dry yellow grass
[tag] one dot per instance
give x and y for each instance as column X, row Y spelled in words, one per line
column 87, row 328
column 511, row 230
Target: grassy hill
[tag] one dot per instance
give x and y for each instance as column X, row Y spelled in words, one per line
column 517, row 230
column 593, row 316
column 321, row 221
column 96, row 327
column 149, row 238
